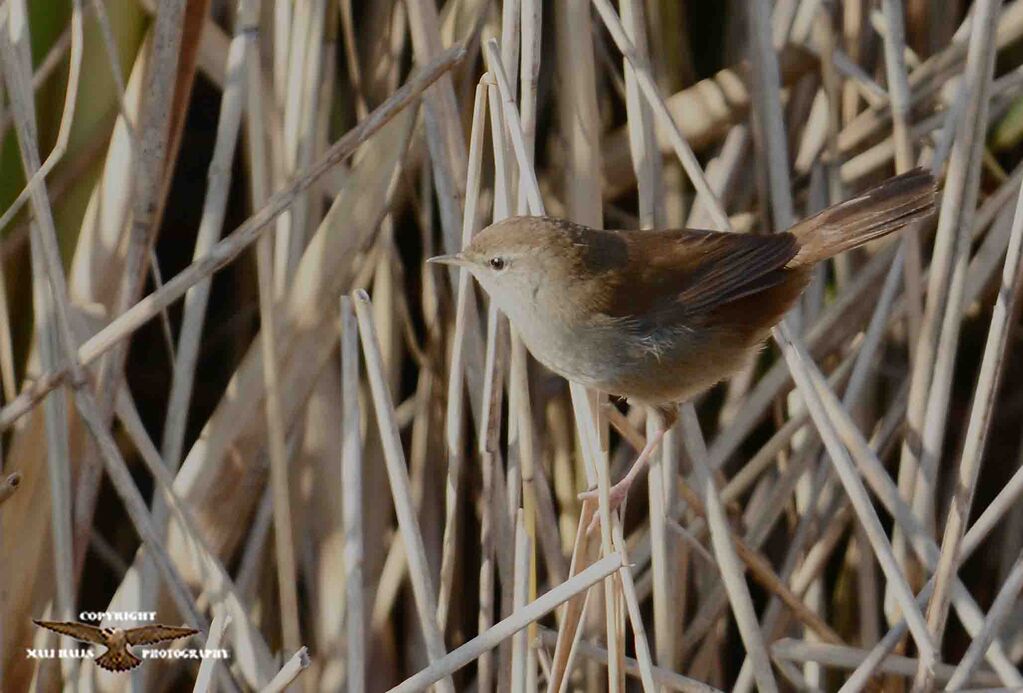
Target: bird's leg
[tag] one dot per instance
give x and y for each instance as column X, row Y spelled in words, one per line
column 620, row 491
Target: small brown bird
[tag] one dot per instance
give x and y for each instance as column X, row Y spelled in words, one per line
column 118, row 656
column 660, row 316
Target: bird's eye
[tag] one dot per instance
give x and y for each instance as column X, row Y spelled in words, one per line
column 497, row 263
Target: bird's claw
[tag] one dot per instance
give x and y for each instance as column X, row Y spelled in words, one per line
column 617, row 496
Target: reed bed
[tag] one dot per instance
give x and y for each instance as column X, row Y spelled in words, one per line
column 233, row 393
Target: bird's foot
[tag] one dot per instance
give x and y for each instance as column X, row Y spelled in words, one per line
column 618, row 493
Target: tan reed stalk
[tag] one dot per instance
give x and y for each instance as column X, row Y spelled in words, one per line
column 207, row 666
column 238, row 240
column 398, row 476
column 845, row 657
column 647, row 165
column 503, row 630
column 929, row 382
column 214, row 210
column 454, row 414
column 249, row 648
column 724, row 553
column 16, row 57
column 520, row 644
column 882, row 485
column 980, row 414
column 291, row 670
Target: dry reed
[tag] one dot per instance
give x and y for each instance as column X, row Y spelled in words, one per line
column 385, row 497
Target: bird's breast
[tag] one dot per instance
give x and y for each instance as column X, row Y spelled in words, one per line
column 665, row 365
column 594, row 355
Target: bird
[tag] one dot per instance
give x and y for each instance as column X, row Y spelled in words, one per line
column 118, row 641
column 660, row 316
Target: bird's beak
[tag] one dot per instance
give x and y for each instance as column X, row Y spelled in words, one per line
column 456, row 259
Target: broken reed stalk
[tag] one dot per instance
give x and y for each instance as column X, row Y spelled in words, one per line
column 291, row 670
column 570, row 617
column 160, row 119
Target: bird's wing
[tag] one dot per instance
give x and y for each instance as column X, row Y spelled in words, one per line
column 118, row 659
column 78, row 631
column 672, row 275
column 146, row 635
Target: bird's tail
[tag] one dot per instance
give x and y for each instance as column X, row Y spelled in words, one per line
column 879, row 211
column 118, row 659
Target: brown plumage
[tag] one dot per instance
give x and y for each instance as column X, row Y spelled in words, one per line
column 660, row 316
column 118, row 655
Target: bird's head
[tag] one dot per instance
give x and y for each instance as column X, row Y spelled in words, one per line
column 529, row 263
